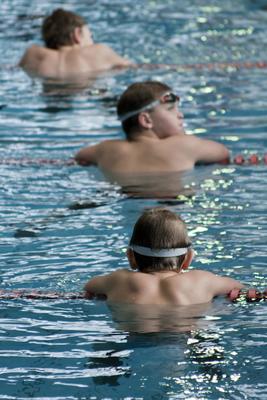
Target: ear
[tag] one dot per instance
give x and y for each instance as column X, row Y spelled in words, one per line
column 188, row 259
column 77, row 35
column 131, row 259
column 144, row 120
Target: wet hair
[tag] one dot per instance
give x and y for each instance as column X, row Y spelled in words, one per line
column 136, row 96
column 58, row 27
column 159, row 228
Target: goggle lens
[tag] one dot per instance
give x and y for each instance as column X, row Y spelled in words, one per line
column 169, row 98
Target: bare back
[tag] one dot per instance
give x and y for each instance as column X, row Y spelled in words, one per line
column 70, row 61
column 175, row 153
column 148, row 156
column 161, row 288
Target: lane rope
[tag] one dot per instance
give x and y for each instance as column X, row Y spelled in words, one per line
column 248, row 295
column 236, row 65
column 248, row 159
column 236, row 295
column 37, row 161
column 40, row 295
column 239, row 159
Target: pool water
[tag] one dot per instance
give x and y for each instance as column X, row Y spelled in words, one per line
column 63, row 224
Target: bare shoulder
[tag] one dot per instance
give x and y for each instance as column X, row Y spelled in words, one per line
column 37, row 51
column 134, row 277
column 201, row 274
column 203, row 150
column 117, row 146
column 96, row 49
column 213, row 283
column 190, row 140
column 107, row 53
column 182, row 146
column 186, row 141
column 110, row 278
column 197, row 280
column 95, row 154
column 102, row 47
column 114, row 142
column 33, row 56
column 121, row 276
column 197, row 276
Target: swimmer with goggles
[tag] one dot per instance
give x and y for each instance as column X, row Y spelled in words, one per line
column 166, row 98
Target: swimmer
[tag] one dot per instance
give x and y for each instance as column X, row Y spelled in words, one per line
column 70, row 50
column 159, row 255
column 155, row 137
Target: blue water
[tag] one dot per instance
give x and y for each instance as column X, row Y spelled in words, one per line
column 60, row 225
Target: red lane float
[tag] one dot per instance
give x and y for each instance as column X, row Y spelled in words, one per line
column 250, row 159
column 249, row 295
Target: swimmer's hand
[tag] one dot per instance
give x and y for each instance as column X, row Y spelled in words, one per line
column 91, row 295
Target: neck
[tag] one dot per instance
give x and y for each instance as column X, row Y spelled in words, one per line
column 164, row 272
column 73, row 47
column 144, row 136
column 68, row 47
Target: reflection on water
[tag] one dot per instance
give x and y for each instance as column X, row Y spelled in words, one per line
column 171, row 185
column 77, row 84
column 174, row 349
column 150, row 318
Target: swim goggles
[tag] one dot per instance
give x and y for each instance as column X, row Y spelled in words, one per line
column 166, row 98
column 146, row 251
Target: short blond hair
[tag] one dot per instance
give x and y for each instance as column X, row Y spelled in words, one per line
column 159, row 228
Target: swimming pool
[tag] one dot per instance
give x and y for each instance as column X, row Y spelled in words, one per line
column 61, row 224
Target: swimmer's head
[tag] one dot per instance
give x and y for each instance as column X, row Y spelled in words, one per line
column 137, row 98
column 59, row 28
column 162, row 236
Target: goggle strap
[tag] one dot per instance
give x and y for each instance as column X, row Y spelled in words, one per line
column 150, row 105
column 146, row 251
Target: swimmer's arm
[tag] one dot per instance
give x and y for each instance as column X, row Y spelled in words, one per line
column 96, row 287
column 26, row 58
column 87, row 156
column 100, row 286
column 114, row 58
column 207, row 151
column 221, row 285
column 31, row 56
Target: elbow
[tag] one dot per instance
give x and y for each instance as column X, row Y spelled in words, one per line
column 81, row 159
column 129, row 63
column 23, row 62
column 89, row 295
column 88, row 290
column 123, row 63
column 27, row 58
column 221, row 154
